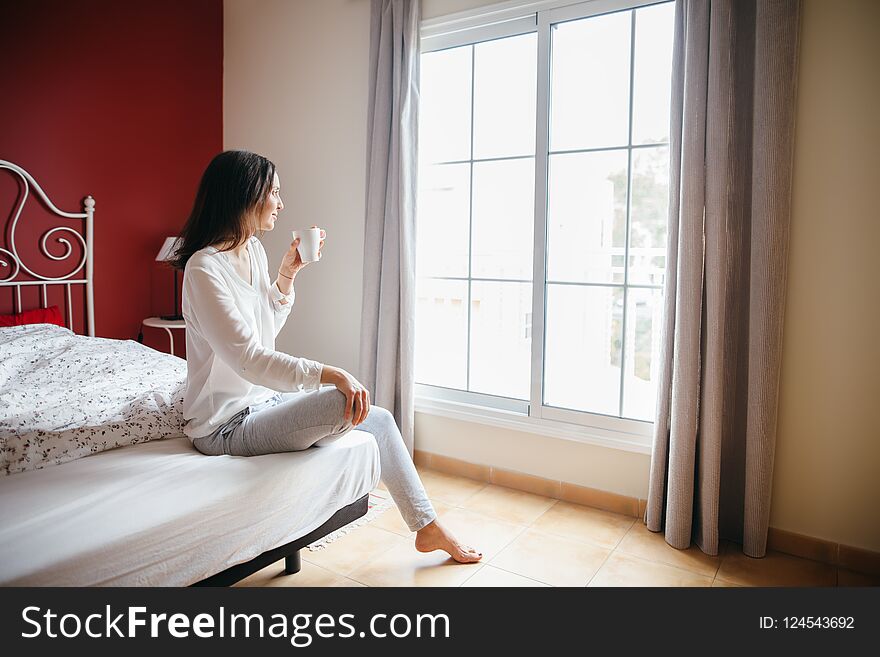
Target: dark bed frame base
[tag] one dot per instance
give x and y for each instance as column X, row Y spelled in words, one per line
column 290, row 551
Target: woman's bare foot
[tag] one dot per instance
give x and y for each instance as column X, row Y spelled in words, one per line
column 434, row 536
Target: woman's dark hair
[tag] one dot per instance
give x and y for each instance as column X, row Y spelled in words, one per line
column 234, row 186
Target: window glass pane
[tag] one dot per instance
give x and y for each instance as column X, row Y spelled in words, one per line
column 443, row 220
column 503, row 219
column 441, row 338
column 583, row 348
column 501, row 351
column 643, row 323
column 649, row 215
column 476, row 218
column 505, row 80
column 589, row 97
column 586, row 217
column 652, row 72
column 445, row 105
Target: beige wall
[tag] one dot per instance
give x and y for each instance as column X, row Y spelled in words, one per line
column 312, row 121
column 295, row 90
column 827, row 474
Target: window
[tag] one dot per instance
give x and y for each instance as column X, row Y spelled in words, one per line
column 541, row 224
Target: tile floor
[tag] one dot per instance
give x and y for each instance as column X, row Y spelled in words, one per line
column 530, row 540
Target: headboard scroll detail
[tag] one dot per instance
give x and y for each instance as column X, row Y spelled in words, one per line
column 10, row 258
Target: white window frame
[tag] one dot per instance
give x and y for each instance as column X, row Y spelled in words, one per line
column 497, row 21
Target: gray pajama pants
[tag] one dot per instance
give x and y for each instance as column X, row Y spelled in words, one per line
column 290, row 422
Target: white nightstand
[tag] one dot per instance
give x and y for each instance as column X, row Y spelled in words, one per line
column 167, row 324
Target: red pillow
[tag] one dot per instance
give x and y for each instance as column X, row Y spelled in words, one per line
column 50, row 315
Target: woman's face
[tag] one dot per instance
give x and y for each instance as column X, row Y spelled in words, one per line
column 266, row 220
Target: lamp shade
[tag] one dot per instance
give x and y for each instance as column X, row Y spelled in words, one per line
column 168, row 249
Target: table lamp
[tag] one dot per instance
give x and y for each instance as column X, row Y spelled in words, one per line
column 165, row 254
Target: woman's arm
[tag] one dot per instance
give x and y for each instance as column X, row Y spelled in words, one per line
column 282, row 291
column 282, row 304
column 284, row 282
column 216, row 317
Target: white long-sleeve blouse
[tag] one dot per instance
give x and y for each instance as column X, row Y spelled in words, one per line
column 231, row 325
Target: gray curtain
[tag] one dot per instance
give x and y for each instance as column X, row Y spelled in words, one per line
column 388, row 316
column 731, row 146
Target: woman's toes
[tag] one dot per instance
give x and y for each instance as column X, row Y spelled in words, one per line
column 470, row 554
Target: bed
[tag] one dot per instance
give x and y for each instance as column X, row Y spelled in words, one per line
column 99, row 487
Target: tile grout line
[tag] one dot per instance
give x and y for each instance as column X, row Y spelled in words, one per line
column 524, row 529
column 512, row 572
column 660, row 563
column 582, row 541
column 472, row 575
column 362, row 564
column 601, row 566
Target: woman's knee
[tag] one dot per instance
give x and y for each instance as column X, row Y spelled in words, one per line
column 381, row 414
column 336, row 401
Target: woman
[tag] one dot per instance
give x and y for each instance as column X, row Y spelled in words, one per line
column 240, row 395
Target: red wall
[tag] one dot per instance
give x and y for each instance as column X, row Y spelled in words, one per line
column 121, row 100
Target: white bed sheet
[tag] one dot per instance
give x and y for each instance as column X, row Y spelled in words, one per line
column 162, row 514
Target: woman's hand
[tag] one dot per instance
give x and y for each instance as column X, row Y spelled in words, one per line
column 291, row 263
column 357, row 397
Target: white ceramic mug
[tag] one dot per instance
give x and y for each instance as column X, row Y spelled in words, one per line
column 309, row 243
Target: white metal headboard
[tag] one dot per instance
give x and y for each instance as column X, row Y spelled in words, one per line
column 11, row 259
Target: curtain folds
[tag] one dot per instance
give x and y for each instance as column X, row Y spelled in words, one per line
column 386, row 365
column 731, row 147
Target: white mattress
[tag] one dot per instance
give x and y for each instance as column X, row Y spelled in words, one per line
column 162, row 514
